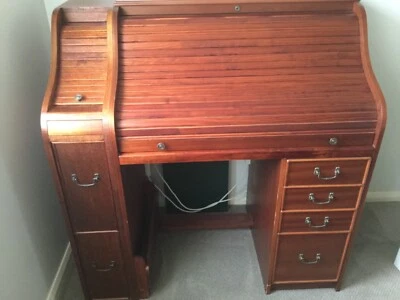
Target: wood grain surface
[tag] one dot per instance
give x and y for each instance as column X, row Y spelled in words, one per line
column 290, row 269
column 191, row 80
column 216, row 80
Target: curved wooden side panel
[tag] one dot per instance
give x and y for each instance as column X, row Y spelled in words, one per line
column 56, row 23
column 380, row 128
column 359, row 10
column 124, row 226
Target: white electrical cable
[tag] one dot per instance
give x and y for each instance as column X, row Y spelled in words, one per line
column 180, row 202
column 188, row 209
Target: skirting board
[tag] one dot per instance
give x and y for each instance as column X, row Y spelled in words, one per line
column 58, row 278
column 397, row 260
column 393, row 196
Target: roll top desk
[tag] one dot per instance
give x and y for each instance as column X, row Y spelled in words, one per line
column 287, row 84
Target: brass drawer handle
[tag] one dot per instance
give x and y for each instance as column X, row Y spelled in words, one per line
column 309, row 223
column 317, row 172
column 95, row 180
column 307, row 262
column 107, row 269
column 331, row 197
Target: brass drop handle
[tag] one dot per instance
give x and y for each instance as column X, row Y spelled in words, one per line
column 317, row 172
column 308, row 221
column 331, row 197
column 107, row 269
column 95, row 180
column 308, row 262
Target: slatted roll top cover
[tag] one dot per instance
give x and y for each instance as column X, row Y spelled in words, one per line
column 224, row 80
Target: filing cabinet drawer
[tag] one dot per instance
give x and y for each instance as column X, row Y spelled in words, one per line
column 320, row 198
column 101, row 261
column 86, row 185
column 309, row 257
column 321, row 172
column 316, row 221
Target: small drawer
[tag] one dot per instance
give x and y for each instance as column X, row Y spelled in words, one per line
column 102, row 265
column 229, row 142
column 309, row 257
column 320, row 198
column 79, row 96
column 316, row 221
column 322, row 172
column 82, row 76
column 86, row 185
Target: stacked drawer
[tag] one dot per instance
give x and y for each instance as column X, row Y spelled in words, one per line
column 88, row 199
column 321, row 198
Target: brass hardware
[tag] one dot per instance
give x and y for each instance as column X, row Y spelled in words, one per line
column 161, row 146
column 78, row 97
column 317, row 172
column 306, row 262
column 331, row 196
column 309, row 223
column 95, row 180
column 333, row 141
column 237, row 8
column 107, row 269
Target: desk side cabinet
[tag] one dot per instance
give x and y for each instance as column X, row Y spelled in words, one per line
column 285, row 84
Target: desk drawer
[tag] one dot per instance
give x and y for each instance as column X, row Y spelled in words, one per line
column 289, row 266
column 86, row 185
column 316, row 221
column 229, row 142
column 323, row 172
column 82, row 77
column 320, row 198
column 101, row 261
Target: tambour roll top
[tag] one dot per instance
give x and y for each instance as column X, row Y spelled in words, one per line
column 215, row 76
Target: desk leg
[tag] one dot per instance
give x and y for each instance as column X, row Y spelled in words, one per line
column 264, row 200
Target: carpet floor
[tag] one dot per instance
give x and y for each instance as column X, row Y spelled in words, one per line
column 222, row 264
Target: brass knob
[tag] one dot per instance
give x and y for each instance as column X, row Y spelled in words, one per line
column 161, row 146
column 78, row 97
column 333, row 141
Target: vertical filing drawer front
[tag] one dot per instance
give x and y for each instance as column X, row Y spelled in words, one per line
column 320, row 198
column 350, row 171
column 289, row 268
column 90, row 208
column 316, row 221
column 101, row 261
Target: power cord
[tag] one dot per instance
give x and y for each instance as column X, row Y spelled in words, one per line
column 186, row 209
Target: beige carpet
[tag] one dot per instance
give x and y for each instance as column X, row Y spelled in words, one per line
column 219, row 265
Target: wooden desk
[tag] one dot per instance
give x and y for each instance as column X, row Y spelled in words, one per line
column 286, row 84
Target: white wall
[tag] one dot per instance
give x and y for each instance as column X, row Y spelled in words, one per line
column 51, row 5
column 384, row 45
column 32, row 234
